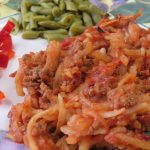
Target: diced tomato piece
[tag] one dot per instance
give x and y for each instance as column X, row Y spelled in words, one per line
column 4, row 58
column 2, row 95
column 66, row 42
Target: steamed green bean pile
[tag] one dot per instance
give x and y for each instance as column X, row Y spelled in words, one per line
column 56, row 19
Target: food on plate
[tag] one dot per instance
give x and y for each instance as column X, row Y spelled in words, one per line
column 43, row 18
column 6, row 46
column 87, row 92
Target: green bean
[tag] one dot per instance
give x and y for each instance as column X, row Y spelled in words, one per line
column 56, row 36
column 78, row 1
column 24, row 10
column 67, row 19
column 76, row 29
column 41, row 29
column 20, row 20
column 77, row 14
column 87, row 19
column 43, row 1
column 27, row 16
column 28, row 4
column 45, row 12
column 57, row 19
column 78, row 20
column 43, row 17
column 35, row 9
column 96, row 13
column 58, row 31
column 40, row 18
column 16, row 23
column 70, row 6
column 86, row 2
column 32, row 2
column 40, row 10
column 62, row 5
column 83, row 7
column 56, row 1
column 50, row 17
column 30, row 34
column 50, row 24
column 56, row 11
column 27, row 27
column 33, row 24
column 49, row 5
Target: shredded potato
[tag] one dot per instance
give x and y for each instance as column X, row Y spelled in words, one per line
column 86, row 92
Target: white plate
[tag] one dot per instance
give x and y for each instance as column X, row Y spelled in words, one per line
column 7, row 85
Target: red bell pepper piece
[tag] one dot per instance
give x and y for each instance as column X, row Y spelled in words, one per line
column 7, row 29
column 4, row 58
column 6, row 46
